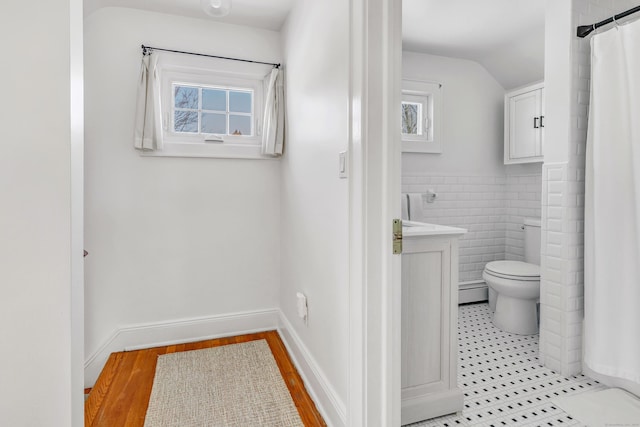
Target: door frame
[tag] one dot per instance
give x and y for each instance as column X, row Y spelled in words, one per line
column 76, row 163
column 374, row 200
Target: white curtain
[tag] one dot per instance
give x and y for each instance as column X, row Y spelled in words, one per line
column 148, row 131
column 273, row 123
column 612, row 206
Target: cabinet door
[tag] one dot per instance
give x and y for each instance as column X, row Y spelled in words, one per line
column 426, row 309
column 524, row 125
column 542, row 118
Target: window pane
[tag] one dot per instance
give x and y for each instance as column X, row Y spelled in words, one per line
column 214, row 99
column 239, row 125
column 410, row 118
column 240, row 102
column 186, row 97
column 185, row 121
column 214, row 123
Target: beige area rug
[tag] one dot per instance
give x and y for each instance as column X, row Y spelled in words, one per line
column 232, row 385
column 611, row 407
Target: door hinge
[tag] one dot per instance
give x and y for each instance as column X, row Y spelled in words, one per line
column 397, row 236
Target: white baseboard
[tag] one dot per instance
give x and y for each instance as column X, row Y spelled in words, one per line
column 472, row 291
column 150, row 335
column 331, row 407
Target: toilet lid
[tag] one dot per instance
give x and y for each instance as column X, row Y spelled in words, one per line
column 516, row 270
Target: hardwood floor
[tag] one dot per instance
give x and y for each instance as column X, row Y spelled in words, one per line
column 121, row 395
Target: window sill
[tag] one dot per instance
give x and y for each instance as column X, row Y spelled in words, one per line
column 210, row 150
column 414, row 146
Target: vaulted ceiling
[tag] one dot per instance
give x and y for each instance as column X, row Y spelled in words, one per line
column 506, row 36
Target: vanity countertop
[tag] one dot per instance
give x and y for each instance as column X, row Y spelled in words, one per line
column 414, row 229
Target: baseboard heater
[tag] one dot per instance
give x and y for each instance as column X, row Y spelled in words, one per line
column 473, row 291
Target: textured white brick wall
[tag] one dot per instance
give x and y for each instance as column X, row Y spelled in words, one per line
column 562, row 287
column 523, row 200
column 472, row 202
column 491, row 208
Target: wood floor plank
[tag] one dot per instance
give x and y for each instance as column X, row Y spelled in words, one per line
column 306, row 407
column 120, row 397
column 142, row 381
column 115, row 406
column 96, row 398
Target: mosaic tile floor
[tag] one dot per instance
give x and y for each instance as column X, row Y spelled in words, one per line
column 502, row 381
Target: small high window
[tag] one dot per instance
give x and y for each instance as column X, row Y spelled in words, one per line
column 212, row 110
column 413, row 119
column 421, row 111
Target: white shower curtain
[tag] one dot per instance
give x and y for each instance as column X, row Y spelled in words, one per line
column 612, row 206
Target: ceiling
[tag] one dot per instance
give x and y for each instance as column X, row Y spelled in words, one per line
column 506, row 36
column 265, row 14
column 493, row 32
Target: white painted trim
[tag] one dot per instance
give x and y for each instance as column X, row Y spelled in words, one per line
column 76, row 163
column 356, row 396
column 471, row 284
column 374, row 200
column 178, row 331
column 331, row 407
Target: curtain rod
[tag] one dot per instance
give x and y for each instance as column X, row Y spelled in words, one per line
column 585, row 30
column 146, row 50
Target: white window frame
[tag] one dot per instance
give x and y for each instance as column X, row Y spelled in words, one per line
column 430, row 136
column 196, row 71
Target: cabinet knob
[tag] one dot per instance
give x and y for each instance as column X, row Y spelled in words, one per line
column 541, row 121
column 535, row 122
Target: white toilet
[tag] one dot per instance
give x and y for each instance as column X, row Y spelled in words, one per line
column 514, row 286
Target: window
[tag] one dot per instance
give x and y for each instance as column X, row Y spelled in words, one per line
column 415, row 117
column 212, row 110
column 421, row 117
column 210, row 107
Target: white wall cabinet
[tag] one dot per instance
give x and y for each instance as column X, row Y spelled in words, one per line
column 524, row 125
column 429, row 327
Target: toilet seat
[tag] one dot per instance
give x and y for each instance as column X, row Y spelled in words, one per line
column 514, row 270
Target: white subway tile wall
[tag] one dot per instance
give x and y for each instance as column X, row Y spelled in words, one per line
column 523, row 200
column 491, row 208
column 562, row 281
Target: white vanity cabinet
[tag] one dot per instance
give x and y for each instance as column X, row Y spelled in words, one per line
column 524, row 125
column 429, row 322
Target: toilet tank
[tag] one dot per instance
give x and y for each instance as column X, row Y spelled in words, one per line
column 532, row 240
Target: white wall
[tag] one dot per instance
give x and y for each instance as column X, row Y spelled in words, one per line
column 35, row 227
column 314, row 199
column 473, row 109
column 170, row 238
